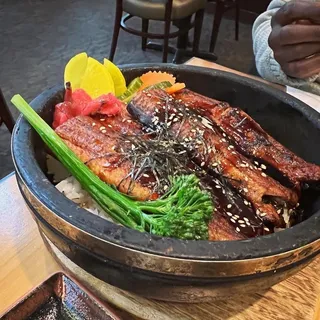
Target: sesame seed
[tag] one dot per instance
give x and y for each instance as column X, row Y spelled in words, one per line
column 232, row 220
column 240, row 221
column 113, row 148
column 233, row 152
column 169, row 123
column 231, row 147
column 237, row 229
column 263, row 174
column 179, row 100
column 103, row 131
column 242, row 225
column 263, row 214
column 218, row 187
column 123, row 120
column 263, row 167
column 146, row 175
column 133, row 147
column 246, row 219
column 102, row 119
column 202, row 164
column 224, row 140
column 158, row 102
column 165, row 187
column 93, row 124
column 279, row 211
column 109, row 125
column 193, row 130
column 245, row 190
column 246, row 178
column 256, row 163
column 148, row 94
column 223, row 191
column 257, row 212
column 243, row 165
column 102, row 128
column 229, row 206
column 175, row 119
column 172, row 115
column 129, row 121
column 245, row 202
column 224, row 134
column 229, row 214
column 236, row 216
column 266, row 229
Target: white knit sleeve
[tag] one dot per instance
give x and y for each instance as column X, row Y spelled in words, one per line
column 267, row 66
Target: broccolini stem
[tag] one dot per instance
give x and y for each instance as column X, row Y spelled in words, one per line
column 183, row 212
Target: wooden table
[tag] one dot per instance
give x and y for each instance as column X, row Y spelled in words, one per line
column 25, row 263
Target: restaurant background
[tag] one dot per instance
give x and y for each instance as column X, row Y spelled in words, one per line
column 39, row 36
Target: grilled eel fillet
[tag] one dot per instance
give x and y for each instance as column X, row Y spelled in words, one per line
column 104, row 154
column 250, row 138
column 156, row 109
column 96, row 147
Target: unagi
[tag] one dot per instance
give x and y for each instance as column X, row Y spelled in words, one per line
column 109, row 151
column 248, row 136
column 213, row 152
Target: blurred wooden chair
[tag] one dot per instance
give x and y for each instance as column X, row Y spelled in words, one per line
column 5, row 114
column 221, row 7
column 179, row 12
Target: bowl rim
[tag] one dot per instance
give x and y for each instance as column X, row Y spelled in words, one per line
column 299, row 236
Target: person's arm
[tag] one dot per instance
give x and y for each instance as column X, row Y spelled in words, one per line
column 286, row 61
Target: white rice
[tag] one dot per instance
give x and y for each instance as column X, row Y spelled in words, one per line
column 72, row 189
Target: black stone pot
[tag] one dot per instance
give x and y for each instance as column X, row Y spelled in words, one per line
column 172, row 269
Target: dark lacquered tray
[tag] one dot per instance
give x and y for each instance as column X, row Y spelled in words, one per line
column 60, row 298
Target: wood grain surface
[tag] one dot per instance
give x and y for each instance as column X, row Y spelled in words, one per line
column 25, row 262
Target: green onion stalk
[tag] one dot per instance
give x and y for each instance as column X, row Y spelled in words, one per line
column 182, row 212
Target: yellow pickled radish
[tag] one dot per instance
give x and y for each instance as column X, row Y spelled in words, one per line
column 96, row 79
column 75, row 70
column 117, row 77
